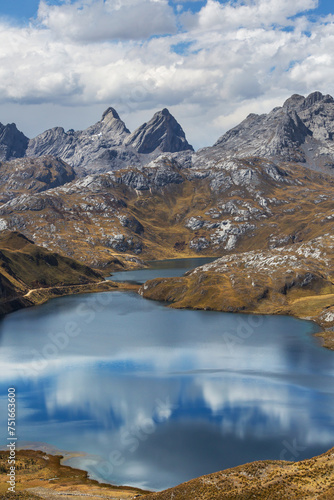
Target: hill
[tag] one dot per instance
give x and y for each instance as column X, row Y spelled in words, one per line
column 270, row 479
column 30, row 274
column 274, row 480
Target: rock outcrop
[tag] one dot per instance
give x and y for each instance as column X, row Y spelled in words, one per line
column 13, row 143
column 32, row 175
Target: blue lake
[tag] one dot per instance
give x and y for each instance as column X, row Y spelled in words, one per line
column 169, row 268
column 154, row 396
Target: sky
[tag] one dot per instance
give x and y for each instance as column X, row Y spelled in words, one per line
column 210, row 62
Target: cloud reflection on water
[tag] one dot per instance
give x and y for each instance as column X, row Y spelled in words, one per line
column 165, row 398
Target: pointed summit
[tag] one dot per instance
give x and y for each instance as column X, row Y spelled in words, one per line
column 111, row 123
column 111, row 111
column 95, row 146
column 162, row 133
column 110, row 126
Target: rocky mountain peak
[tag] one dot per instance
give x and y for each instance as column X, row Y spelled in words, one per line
column 295, row 101
column 301, row 131
column 94, row 148
column 111, row 111
column 107, row 145
column 164, row 112
column 112, row 128
column 161, row 133
column 299, row 102
column 112, row 124
column 13, row 143
column 313, row 98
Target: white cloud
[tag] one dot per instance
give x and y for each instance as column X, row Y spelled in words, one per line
column 96, row 20
column 254, row 13
column 239, row 58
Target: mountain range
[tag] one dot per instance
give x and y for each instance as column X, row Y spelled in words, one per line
column 107, row 145
column 299, row 131
column 107, row 197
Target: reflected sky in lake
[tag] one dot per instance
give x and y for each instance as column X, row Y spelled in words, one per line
column 156, row 396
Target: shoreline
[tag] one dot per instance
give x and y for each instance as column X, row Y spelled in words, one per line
column 42, row 295
column 43, row 475
column 39, row 296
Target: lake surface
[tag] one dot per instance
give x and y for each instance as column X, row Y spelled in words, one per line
column 156, row 396
column 169, row 268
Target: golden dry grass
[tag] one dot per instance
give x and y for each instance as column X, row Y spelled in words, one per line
column 39, row 475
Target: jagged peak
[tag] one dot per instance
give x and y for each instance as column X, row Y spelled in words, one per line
column 163, row 112
column 301, row 102
column 294, row 100
column 112, row 111
column 314, row 97
column 162, row 132
column 10, row 126
column 13, row 142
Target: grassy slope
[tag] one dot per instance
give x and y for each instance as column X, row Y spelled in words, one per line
column 30, row 274
column 42, row 476
column 266, row 480
column 263, row 480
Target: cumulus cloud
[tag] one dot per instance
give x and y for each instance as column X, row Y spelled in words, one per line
column 224, row 60
column 251, row 13
column 97, row 20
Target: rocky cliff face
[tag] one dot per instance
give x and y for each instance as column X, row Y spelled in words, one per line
column 97, row 148
column 13, row 143
column 28, row 175
column 301, row 130
column 108, row 145
column 162, row 133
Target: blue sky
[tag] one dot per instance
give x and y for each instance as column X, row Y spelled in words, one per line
column 210, row 62
column 23, row 10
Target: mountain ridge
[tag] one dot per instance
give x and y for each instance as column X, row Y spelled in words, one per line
column 301, row 130
column 109, row 145
column 169, row 204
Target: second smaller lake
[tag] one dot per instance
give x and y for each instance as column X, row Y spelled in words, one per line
column 171, row 268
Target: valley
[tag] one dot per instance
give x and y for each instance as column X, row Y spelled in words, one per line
column 76, row 206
